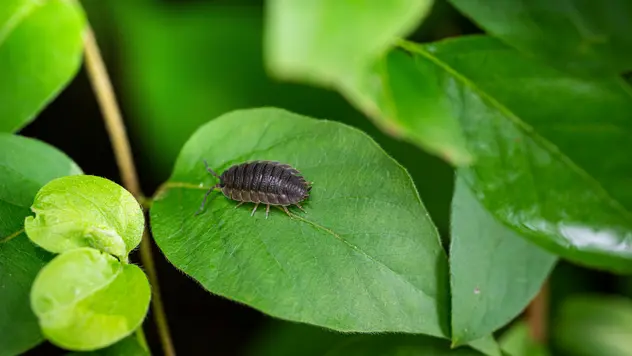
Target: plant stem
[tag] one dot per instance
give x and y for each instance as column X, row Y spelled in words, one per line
column 120, row 143
column 537, row 315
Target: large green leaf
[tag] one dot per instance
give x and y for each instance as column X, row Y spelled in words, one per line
column 602, row 323
column 591, row 37
column 333, row 41
column 378, row 345
column 86, row 211
column 365, row 256
column 551, row 151
column 25, row 166
column 494, row 273
column 86, row 299
column 337, row 42
column 40, row 53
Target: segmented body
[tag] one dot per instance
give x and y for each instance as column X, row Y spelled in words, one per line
column 267, row 182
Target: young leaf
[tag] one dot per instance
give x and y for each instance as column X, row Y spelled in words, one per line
column 25, row 166
column 364, row 257
column 518, row 342
column 377, row 345
column 40, row 53
column 602, row 323
column 85, row 210
column 494, row 273
column 546, row 145
column 330, row 41
column 487, row 345
column 591, row 37
column 86, row 299
column 129, row 346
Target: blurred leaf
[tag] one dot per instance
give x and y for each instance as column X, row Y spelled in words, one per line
column 517, row 342
column 282, row 338
column 332, row 42
column 406, row 99
column 25, row 166
column 85, row 211
column 602, row 323
column 129, row 346
column 40, row 53
column 494, row 273
column 86, row 299
column 546, row 145
column 581, row 36
column 366, row 231
column 487, row 345
column 381, row 345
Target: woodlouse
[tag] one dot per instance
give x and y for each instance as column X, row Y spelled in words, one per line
column 267, row 182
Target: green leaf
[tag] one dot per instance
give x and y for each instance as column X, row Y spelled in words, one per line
column 494, row 272
column 547, row 146
column 591, row 37
column 378, row 345
column 518, row 342
column 80, row 211
column 487, row 345
column 406, row 98
column 602, row 323
column 129, row 346
column 25, row 166
column 282, row 338
column 40, row 53
column 86, row 299
column 332, row 42
column 365, row 232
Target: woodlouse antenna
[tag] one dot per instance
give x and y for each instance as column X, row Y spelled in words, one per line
column 204, row 200
column 208, row 169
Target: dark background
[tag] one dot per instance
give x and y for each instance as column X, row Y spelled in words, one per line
column 177, row 64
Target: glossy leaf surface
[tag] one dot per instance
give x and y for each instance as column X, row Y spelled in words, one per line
column 86, row 211
column 405, row 98
column 86, row 299
column 494, row 272
column 40, row 53
column 575, row 35
column 540, row 138
column 377, row 345
column 365, row 231
column 331, row 41
column 25, row 166
column 602, row 323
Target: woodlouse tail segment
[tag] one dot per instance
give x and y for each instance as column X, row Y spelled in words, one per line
column 204, row 200
column 208, row 169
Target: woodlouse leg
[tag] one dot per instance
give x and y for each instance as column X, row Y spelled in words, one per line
column 267, row 210
column 300, row 207
column 204, row 200
column 210, row 170
column 255, row 209
column 238, row 205
column 286, row 211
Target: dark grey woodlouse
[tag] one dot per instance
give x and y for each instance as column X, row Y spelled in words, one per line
column 267, row 182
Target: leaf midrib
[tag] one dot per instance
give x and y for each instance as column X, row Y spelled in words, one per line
column 18, row 17
column 527, row 129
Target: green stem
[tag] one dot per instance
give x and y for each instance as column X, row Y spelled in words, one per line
column 112, row 117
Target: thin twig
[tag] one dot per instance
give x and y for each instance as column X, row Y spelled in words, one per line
column 116, row 130
column 537, row 315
